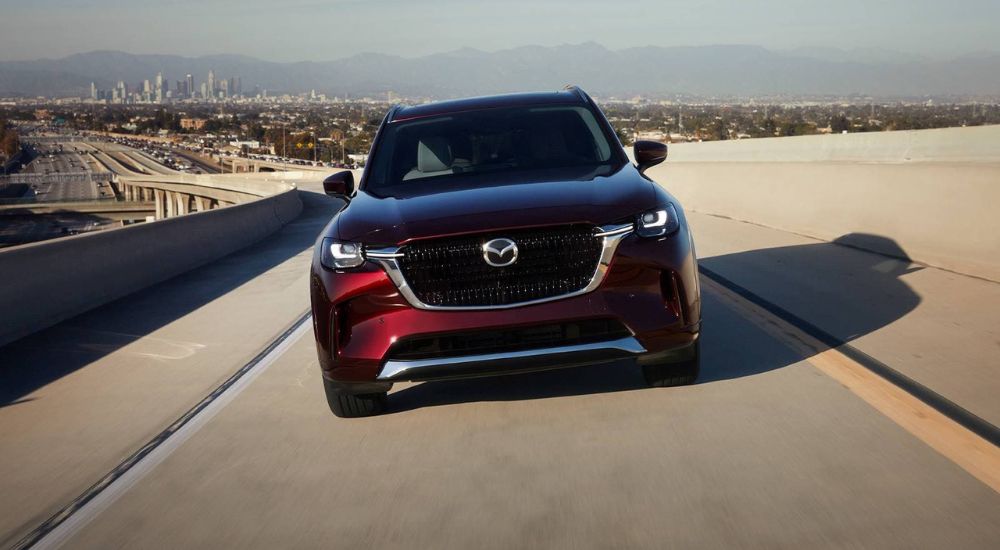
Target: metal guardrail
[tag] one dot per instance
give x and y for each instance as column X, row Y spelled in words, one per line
column 34, row 201
column 52, row 139
column 61, row 177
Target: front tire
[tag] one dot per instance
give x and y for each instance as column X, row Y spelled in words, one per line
column 349, row 405
column 668, row 374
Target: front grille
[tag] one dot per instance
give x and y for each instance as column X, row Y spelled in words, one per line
column 451, row 272
column 480, row 342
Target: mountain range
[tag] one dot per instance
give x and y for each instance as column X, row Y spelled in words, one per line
column 705, row 71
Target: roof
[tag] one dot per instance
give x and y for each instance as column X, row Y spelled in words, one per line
column 524, row 99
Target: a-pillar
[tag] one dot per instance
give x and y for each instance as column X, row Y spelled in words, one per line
column 159, row 196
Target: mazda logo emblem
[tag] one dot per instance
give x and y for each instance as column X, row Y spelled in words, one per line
column 500, row 252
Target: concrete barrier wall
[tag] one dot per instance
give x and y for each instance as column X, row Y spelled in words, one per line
column 44, row 283
column 974, row 144
column 936, row 193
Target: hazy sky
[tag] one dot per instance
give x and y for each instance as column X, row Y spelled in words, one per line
column 295, row 30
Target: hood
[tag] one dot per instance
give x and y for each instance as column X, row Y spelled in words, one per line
column 468, row 207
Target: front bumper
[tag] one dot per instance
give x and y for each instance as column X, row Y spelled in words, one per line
column 650, row 288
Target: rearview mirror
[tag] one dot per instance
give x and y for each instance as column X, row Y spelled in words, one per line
column 340, row 185
column 649, row 153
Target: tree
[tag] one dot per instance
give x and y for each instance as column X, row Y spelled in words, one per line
column 770, row 127
column 212, row 126
column 839, row 124
column 10, row 144
column 623, row 136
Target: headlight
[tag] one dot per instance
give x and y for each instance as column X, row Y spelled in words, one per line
column 340, row 255
column 659, row 222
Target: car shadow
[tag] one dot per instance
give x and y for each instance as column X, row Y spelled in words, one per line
column 45, row 356
column 838, row 287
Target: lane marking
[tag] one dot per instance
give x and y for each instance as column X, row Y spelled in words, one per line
column 65, row 523
column 969, row 450
column 952, row 410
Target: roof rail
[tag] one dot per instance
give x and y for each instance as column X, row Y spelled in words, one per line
column 577, row 90
column 391, row 114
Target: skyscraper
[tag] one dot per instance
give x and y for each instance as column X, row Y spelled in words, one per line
column 190, row 86
column 93, row 90
column 211, row 84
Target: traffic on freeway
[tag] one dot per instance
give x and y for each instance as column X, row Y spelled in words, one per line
column 63, row 158
column 61, row 190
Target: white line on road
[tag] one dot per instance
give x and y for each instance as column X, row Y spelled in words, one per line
column 82, row 516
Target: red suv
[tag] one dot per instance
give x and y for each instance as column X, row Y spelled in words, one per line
column 501, row 235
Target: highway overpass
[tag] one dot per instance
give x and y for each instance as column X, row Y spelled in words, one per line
column 234, row 164
column 85, row 185
column 848, row 396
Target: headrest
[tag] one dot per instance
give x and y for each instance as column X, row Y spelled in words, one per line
column 433, row 154
column 547, row 142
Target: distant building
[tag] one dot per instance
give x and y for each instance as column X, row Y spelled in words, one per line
column 653, row 135
column 249, row 144
column 192, row 123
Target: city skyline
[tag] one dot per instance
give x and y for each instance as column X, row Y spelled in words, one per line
column 314, row 31
column 159, row 91
column 705, row 71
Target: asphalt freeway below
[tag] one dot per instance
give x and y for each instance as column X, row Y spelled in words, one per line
column 766, row 451
column 62, row 162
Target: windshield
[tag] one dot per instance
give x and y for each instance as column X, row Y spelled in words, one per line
column 491, row 141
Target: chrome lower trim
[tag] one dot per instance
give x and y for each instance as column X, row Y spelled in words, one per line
column 401, row 370
column 611, row 236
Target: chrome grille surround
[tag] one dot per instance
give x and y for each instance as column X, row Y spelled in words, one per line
column 390, row 259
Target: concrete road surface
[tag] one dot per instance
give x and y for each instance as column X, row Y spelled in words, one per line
column 772, row 449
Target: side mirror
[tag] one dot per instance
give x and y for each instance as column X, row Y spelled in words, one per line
column 340, row 185
column 648, row 154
